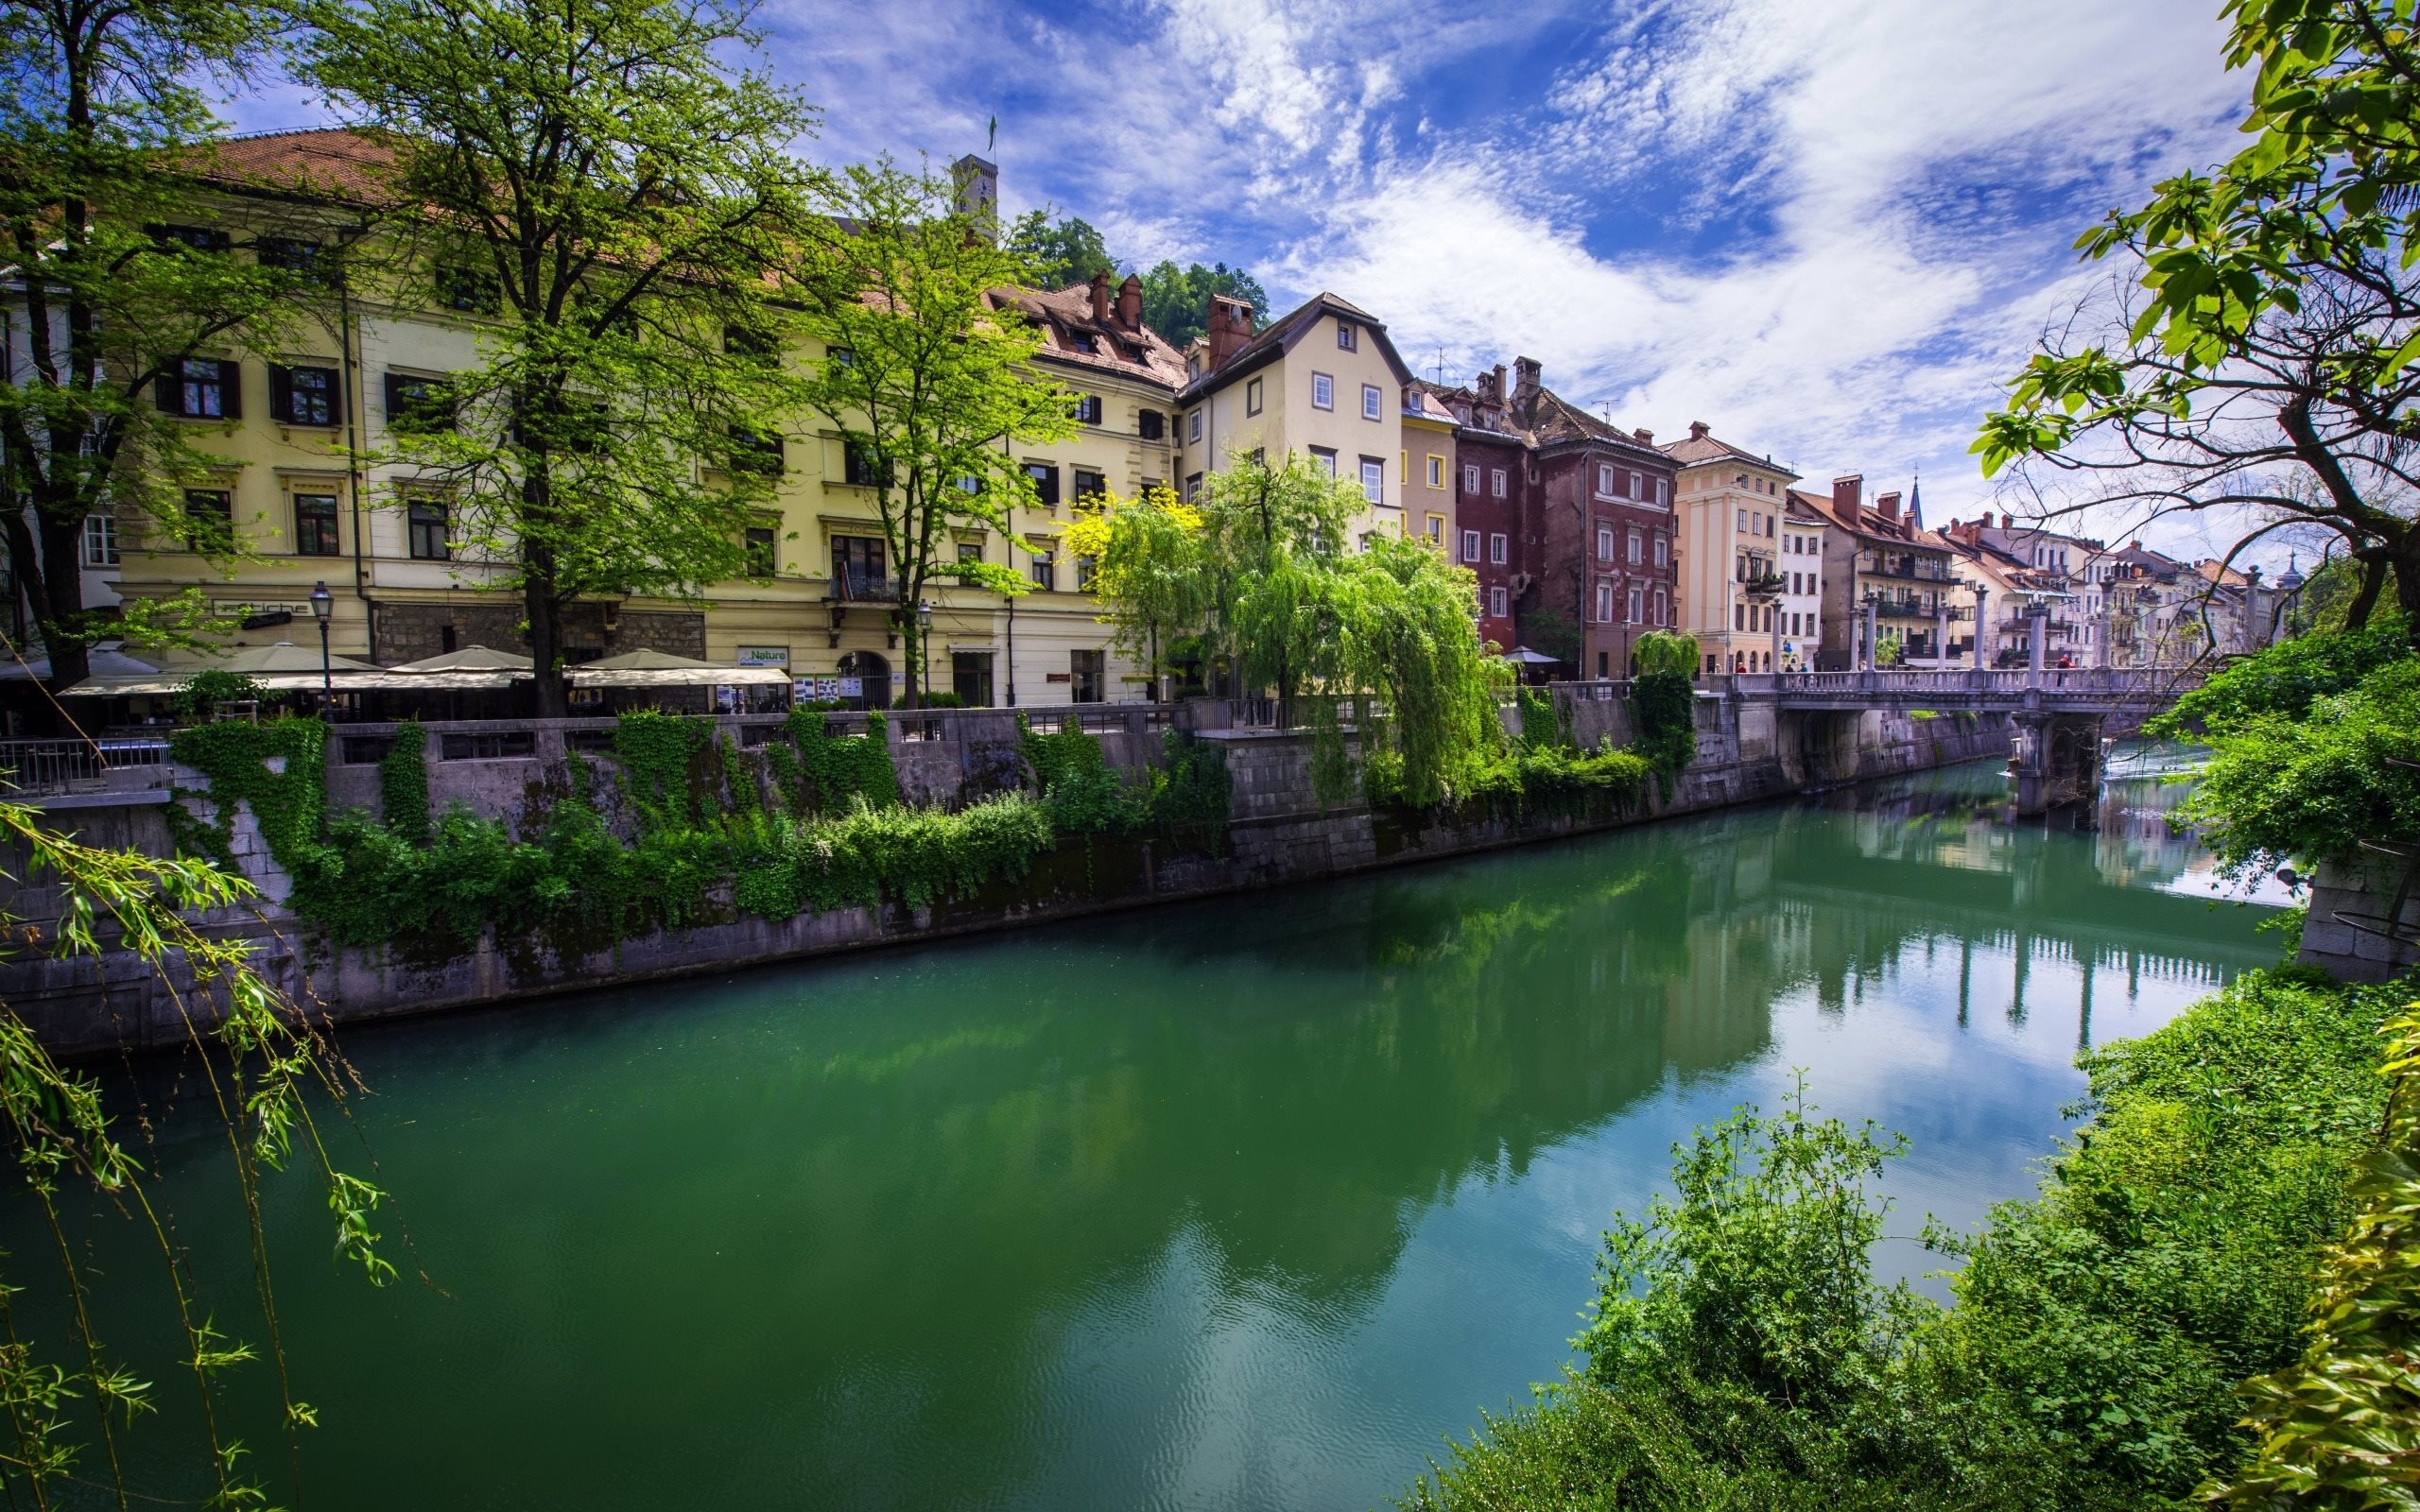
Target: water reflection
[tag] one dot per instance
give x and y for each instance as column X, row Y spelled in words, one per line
column 1235, row 1204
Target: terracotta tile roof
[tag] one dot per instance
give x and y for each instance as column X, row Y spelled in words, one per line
column 1702, row 445
column 333, row 163
column 1066, row 314
column 1556, row 421
column 1870, row 524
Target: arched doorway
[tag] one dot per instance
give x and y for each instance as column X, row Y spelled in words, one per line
column 874, row 676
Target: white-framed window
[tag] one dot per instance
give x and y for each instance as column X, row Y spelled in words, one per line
column 1663, row 550
column 1324, row 459
column 1496, row 549
column 1742, row 526
column 100, row 540
column 1604, row 480
column 1604, row 542
column 1373, row 480
column 1322, row 391
column 1193, row 426
column 1470, row 545
column 1470, row 477
column 1604, row 603
column 1497, row 603
column 1637, row 490
column 1664, row 491
column 1345, row 339
column 1637, row 549
column 1662, row 614
column 1635, row 604
column 1495, row 481
column 1373, row 404
column 1436, row 471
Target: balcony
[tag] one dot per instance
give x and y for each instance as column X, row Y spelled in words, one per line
column 1905, row 606
column 1922, row 570
column 862, row 587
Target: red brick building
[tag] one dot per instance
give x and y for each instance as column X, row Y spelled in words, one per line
column 1566, row 520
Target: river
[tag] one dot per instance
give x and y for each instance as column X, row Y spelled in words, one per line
column 1239, row 1204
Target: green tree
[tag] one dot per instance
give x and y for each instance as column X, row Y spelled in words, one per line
column 1147, row 569
column 1059, row 252
column 2262, row 361
column 103, row 129
column 591, row 178
column 1176, row 301
column 925, row 379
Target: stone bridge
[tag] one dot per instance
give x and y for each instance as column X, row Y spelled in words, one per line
column 2061, row 715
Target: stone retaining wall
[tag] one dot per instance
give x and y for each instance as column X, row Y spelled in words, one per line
column 1279, row 834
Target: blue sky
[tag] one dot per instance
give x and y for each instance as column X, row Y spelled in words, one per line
column 1828, row 228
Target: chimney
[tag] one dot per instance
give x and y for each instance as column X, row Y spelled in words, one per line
column 1848, row 493
column 1697, row 429
column 978, row 192
column 1525, row 388
column 2008, row 521
column 1130, row 304
column 1501, row 393
column 1643, row 437
column 1101, row 298
column 1887, row 505
column 1230, row 323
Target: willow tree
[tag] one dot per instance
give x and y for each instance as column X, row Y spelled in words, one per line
column 924, row 378
column 119, row 277
column 603, row 195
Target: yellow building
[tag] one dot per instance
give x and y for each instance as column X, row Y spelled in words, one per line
column 305, row 494
column 1732, row 504
column 1426, row 473
column 1323, row 381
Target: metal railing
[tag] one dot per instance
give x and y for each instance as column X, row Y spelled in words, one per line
column 44, row 767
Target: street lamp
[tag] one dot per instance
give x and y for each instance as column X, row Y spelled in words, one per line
column 324, row 606
column 925, row 641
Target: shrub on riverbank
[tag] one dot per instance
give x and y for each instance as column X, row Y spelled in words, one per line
column 1741, row 1356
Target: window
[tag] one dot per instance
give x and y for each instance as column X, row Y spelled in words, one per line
column 1496, row 548
column 1346, row 338
column 1664, row 491
column 426, row 525
column 1084, row 568
column 469, row 289
column 190, row 238
column 1373, row 404
column 1663, row 550
column 417, row 407
column 1495, row 602
column 1604, row 542
column 1193, row 486
column 1088, row 410
column 970, row 551
column 1739, row 616
column 1090, row 485
column 1604, row 603
column 756, row 453
column 201, row 389
column 1046, row 483
column 1322, row 391
column 315, row 524
column 1150, row 425
column 1437, row 530
column 1373, row 480
column 1324, row 460
column 306, row 259
column 840, row 356
column 1470, row 477
column 1436, row 471
column 859, row 564
column 1633, row 606
column 1495, row 482
column 1088, row 671
column 1637, row 546
column 1403, row 468
column 1193, row 426
column 210, row 520
column 1604, row 480
column 1252, row 396
column 764, row 556
column 1470, row 545
column 100, row 540
column 1662, row 615
column 1084, row 344
column 970, row 677
column 1044, row 571
column 751, row 341
column 302, row 396
column 857, row 464
column 1743, row 521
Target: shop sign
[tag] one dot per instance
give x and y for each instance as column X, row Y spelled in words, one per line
column 764, row 655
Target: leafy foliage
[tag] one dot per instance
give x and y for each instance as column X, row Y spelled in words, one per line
column 1059, row 252
column 403, row 784
column 203, row 693
column 1664, row 704
column 865, row 856
column 2340, row 1429
column 830, row 774
column 2283, row 680
column 290, row 804
column 1176, row 301
column 1667, row 651
column 1740, row 1355
column 614, row 192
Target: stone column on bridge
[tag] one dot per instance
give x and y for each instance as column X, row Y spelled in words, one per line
column 1982, row 599
column 1940, row 632
column 1871, row 644
column 2036, row 619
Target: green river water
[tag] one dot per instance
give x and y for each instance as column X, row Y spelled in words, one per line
column 1241, row 1204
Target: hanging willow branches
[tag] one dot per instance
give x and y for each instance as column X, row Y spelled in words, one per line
column 262, row 1063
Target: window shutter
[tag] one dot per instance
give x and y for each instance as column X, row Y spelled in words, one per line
column 168, row 392
column 231, row 390
column 281, row 391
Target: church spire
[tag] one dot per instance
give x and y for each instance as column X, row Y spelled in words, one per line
column 1916, row 504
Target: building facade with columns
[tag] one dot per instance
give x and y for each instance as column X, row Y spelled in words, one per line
column 1735, row 584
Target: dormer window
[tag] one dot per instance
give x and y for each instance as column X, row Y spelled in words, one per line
column 1084, row 344
column 1346, row 340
